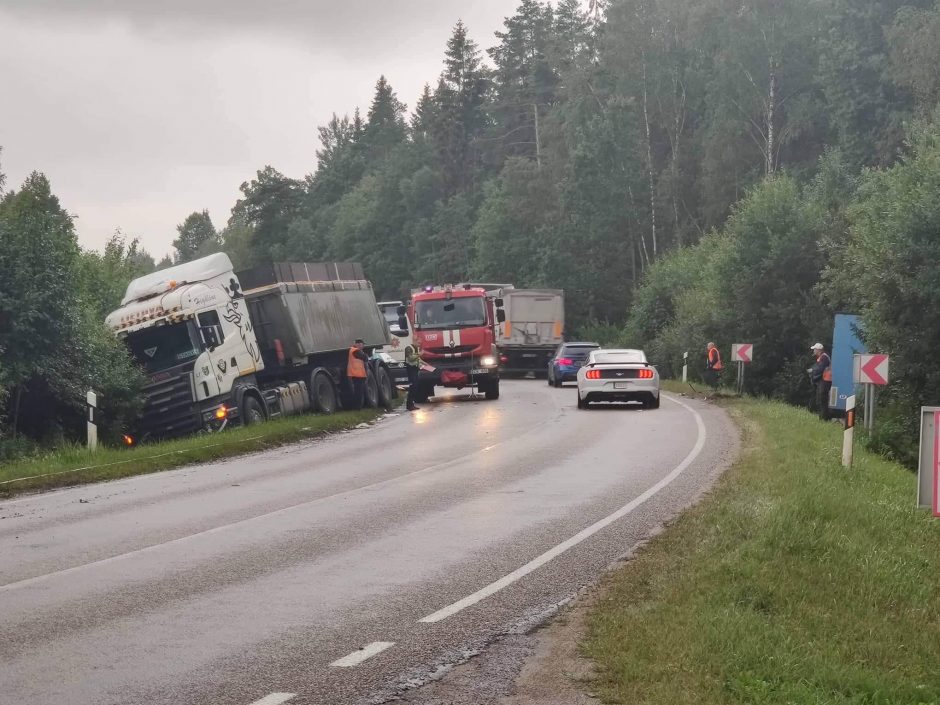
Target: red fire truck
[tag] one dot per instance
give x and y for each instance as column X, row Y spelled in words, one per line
column 457, row 327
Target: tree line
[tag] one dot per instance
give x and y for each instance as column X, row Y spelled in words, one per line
column 685, row 169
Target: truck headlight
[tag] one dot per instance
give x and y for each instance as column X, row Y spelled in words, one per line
column 488, row 361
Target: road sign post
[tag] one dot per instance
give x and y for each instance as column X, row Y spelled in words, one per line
column 742, row 353
column 848, row 437
column 928, row 469
column 685, row 367
column 871, row 371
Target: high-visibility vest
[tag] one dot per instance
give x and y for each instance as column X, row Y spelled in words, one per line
column 714, row 359
column 355, row 368
column 827, row 373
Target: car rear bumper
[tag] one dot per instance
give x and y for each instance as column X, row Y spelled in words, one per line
column 609, row 390
column 566, row 374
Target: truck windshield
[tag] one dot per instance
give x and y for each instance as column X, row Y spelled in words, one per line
column 454, row 313
column 163, row 347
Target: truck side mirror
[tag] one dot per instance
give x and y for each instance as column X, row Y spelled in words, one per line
column 500, row 315
column 210, row 337
column 401, row 311
column 499, row 303
column 402, row 322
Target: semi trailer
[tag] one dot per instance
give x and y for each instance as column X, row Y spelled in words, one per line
column 533, row 330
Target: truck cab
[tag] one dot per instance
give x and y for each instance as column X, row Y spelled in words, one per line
column 188, row 328
column 399, row 328
column 457, row 329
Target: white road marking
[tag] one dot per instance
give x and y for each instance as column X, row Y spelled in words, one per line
column 360, row 655
column 275, row 699
column 26, row 582
column 553, row 553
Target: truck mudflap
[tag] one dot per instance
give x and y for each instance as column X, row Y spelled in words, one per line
column 522, row 359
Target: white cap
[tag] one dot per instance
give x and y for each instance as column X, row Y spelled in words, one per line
column 818, row 346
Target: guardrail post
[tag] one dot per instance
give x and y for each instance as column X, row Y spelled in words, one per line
column 91, row 399
column 685, row 367
column 848, row 437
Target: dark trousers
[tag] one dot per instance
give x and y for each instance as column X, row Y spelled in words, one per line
column 412, row 385
column 822, row 398
column 358, row 392
column 711, row 377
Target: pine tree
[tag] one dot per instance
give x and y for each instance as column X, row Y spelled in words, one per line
column 459, row 115
column 385, row 126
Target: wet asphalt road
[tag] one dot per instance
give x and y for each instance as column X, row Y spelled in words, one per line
column 232, row 582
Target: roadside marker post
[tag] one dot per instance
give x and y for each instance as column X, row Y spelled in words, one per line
column 685, row 367
column 871, row 371
column 848, row 437
column 928, row 468
column 91, row 399
column 742, row 353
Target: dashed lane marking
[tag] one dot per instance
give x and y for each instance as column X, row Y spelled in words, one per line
column 553, row 553
column 275, row 699
column 360, row 655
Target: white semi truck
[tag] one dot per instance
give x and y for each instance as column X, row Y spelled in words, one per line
column 220, row 348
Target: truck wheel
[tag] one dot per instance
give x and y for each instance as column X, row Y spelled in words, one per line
column 492, row 389
column 323, row 393
column 252, row 412
column 372, row 391
column 386, row 390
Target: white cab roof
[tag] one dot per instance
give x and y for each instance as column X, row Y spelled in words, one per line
column 187, row 273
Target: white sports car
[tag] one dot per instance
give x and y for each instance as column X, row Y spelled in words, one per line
column 618, row 375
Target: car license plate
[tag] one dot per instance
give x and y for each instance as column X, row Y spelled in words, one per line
column 621, row 385
column 479, row 371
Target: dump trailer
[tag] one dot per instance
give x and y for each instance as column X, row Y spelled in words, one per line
column 221, row 348
column 533, row 330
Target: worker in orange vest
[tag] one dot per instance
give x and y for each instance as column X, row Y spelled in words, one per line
column 713, row 365
column 357, row 373
column 821, row 375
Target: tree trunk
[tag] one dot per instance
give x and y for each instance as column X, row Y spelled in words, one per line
column 649, row 156
column 771, row 117
column 538, row 140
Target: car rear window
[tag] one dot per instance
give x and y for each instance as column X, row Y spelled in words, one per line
column 612, row 358
column 578, row 352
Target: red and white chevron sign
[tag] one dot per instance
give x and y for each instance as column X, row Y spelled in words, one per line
column 742, row 352
column 871, row 369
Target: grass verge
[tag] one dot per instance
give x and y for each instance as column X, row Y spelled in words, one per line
column 794, row 581
column 76, row 466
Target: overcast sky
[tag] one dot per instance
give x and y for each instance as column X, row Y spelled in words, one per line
column 142, row 111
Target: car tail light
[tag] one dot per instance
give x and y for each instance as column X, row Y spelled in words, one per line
column 593, row 374
column 565, row 361
column 644, row 374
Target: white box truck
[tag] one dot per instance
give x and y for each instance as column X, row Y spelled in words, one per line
column 533, row 330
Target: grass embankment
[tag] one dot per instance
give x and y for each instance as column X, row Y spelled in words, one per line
column 794, row 581
column 75, row 466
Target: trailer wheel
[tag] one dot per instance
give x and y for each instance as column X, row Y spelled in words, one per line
column 386, row 391
column 372, row 391
column 323, row 393
column 252, row 413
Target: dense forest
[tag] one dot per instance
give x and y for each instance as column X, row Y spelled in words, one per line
column 685, row 169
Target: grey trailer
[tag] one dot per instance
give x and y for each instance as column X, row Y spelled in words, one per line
column 533, row 330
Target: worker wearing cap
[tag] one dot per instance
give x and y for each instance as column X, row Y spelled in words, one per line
column 821, row 376
column 357, row 373
column 713, row 365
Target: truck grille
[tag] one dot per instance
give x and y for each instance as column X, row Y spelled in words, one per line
column 456, row 350
column 168, row 404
